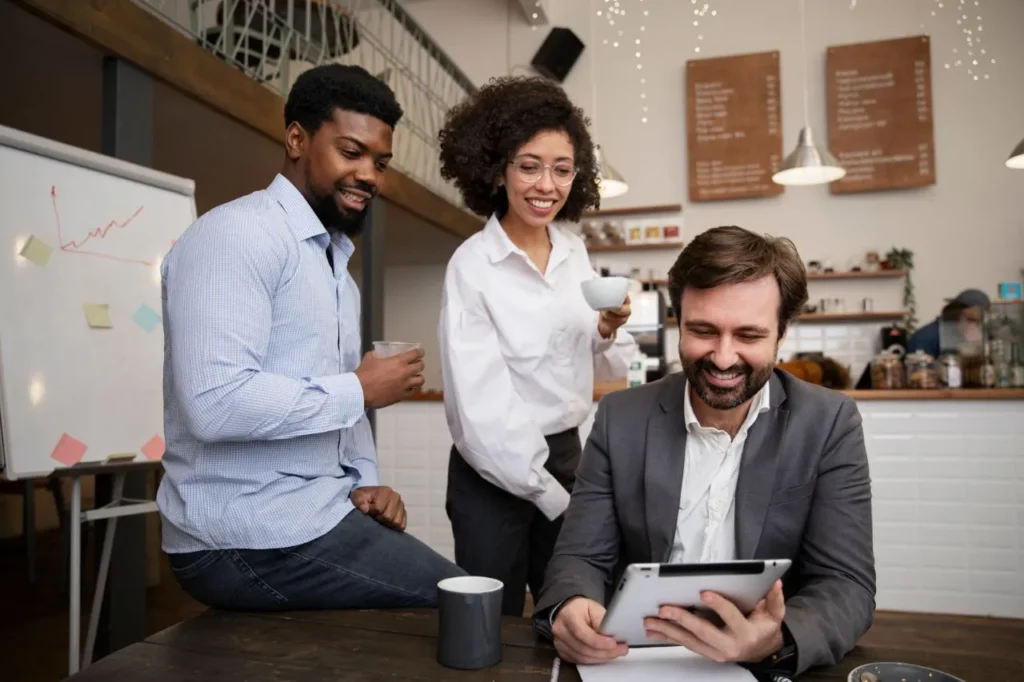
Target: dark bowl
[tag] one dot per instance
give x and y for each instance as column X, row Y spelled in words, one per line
column 900, row 672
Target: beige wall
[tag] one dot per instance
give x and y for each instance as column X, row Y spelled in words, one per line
column 968, row 230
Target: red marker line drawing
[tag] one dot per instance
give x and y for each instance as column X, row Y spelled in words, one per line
column 71, row 246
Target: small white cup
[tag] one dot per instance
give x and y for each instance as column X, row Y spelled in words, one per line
column 385, row 349
column 605, row 293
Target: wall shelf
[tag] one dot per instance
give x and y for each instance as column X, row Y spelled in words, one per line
column 870, row 316
column 637, row 210
column 858, row 274
column 648, row 246
column 881, row 274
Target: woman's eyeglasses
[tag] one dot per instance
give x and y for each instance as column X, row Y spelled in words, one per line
column 531, row 171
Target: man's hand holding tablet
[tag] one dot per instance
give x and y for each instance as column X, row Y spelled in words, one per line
column 742, row 639
column 576, row 637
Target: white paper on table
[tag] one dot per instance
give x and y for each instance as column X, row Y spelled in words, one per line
column 664, row 664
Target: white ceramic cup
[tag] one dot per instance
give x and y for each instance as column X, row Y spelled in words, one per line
column 385, row 349
column 605, row 293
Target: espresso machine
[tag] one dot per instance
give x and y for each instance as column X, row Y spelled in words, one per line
column 647, row 325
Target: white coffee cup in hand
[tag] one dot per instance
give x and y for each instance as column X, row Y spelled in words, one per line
column 605, row 293
column 388, row 379
column 385, row 349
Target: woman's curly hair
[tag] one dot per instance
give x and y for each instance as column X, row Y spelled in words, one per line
column 482, row 134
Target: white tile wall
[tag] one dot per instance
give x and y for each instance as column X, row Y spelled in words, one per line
column 948, row 485
column 947, row 480
column 412, row 450
column 852, row 344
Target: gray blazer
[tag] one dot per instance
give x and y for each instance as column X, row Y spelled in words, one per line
column 804, row 493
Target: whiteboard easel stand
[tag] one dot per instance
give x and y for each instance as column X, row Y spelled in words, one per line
column 118, row 507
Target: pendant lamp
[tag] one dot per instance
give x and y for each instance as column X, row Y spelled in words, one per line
column 612, row 184
column 610, row 181
column 1016, row 160
column 807, row 165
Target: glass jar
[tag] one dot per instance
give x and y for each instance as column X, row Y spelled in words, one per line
column 887, row 369
column 921, row 370
column 951, row 374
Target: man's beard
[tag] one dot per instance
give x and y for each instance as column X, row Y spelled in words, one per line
column 753, row 380
column 334, row 219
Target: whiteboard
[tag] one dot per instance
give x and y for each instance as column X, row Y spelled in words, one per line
column 82, row 236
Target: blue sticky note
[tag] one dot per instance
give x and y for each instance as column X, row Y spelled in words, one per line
column 146, row 317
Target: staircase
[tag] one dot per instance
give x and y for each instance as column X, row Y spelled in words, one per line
column 273, row 41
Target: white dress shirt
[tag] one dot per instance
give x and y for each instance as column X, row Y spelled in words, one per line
column 706, row 525
column 520, row 351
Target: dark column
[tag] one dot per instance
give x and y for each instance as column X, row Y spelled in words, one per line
column 372, row 286
column 128, row 135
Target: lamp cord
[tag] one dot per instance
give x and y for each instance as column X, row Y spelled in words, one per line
column 803, row 52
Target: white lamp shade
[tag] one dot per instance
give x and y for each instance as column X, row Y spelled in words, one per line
column 611, row 182
column 808, row 165
column 1016, row 160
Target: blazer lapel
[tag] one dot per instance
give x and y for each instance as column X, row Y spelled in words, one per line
column 663, row 469
column 757, row 472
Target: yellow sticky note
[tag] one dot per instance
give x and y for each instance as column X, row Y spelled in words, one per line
column 98, row 315
column 36, row 251
column 120, row 457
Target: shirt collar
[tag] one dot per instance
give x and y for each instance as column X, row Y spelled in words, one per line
column 499, row 246
column 302, row 221
column 760, row 403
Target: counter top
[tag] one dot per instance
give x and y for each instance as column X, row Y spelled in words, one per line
column 940, row 394
column 601, row 390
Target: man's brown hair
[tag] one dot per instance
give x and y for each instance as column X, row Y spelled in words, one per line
column 730, row 255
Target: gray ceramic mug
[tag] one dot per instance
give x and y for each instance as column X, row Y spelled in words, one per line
column 469, row 622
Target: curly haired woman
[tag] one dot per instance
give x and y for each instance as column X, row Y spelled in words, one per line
column 520, row 348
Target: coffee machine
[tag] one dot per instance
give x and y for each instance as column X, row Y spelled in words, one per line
column 647, row 325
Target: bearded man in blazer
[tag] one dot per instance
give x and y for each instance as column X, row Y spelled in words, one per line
column 730, row 459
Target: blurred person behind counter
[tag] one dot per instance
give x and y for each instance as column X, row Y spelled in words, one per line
column 966, row 310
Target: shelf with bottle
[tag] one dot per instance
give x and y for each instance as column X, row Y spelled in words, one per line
column 857, row 316
column 811, row 276
column 988, row 352
column 642, row 228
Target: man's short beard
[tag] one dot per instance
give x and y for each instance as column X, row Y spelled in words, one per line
column 725, row 398
column 335, row 220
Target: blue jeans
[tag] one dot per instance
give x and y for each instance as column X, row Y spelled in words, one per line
column 359, row 564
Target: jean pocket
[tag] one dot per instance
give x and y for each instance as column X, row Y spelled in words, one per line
column 191, row 564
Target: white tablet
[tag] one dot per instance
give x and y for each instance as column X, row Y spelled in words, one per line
column 644, row 588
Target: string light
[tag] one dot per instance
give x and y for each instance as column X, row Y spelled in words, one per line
column 621, row 24
column 615, row 15
column 971, row 26
column 701, row 13
column 971, row 31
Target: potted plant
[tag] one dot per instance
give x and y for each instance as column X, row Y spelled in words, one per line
column 903, row 259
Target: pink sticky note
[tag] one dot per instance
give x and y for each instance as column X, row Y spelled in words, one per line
column 69, row 451
column 154, row 448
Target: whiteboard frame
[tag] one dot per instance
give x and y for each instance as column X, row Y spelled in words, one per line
column 76, row 156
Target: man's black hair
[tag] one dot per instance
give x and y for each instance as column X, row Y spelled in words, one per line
column 322, row 89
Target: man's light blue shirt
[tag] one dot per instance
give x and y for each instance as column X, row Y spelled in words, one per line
column 263, row 417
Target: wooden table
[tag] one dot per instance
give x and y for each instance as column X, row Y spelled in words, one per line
column 360, row 646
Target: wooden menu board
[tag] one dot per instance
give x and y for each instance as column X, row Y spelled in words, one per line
column 880, row 114
column 733, row 126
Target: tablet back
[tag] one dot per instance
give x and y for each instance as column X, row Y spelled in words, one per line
column 644, row 588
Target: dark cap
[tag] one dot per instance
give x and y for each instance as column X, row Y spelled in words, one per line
column 971, row 298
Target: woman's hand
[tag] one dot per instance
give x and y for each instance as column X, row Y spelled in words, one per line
column 610, row 320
